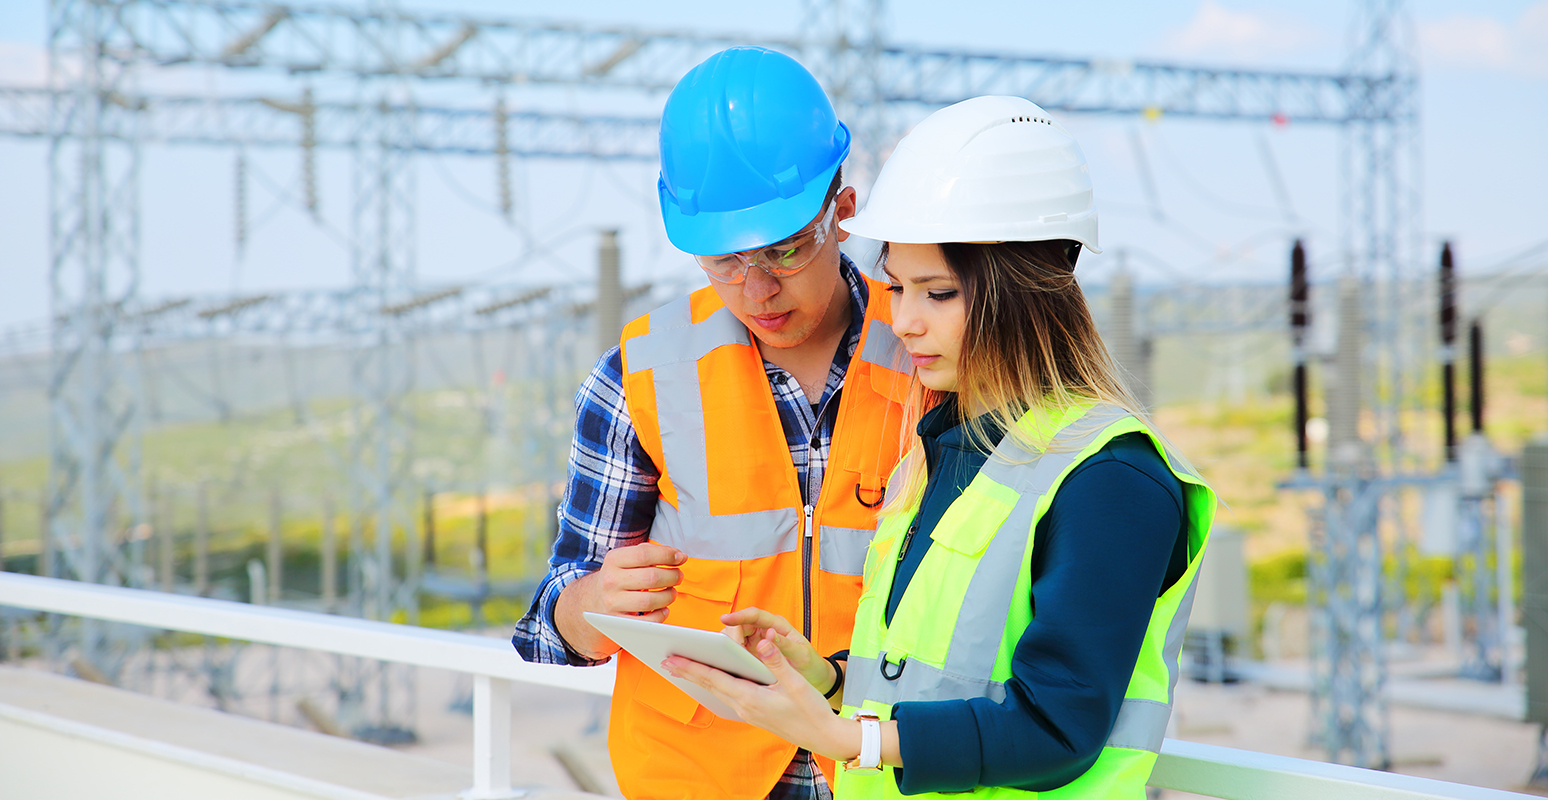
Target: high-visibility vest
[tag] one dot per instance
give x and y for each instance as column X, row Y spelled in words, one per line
column 730, row 499
column 968, row 604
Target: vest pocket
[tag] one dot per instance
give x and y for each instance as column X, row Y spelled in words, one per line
column 707, row 591
column 970, row 522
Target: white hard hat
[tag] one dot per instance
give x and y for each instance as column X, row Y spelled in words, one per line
column 989, row 169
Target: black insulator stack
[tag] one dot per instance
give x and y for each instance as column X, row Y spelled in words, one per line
column 1300, row 318
column 1475, row 356
column 1448, row 334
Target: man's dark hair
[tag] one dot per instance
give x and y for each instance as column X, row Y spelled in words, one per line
column 834, row 187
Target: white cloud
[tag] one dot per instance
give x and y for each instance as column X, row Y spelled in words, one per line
column 1468, row 40
column 1219, row 31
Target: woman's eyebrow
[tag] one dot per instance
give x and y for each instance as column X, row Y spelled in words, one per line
column 928, row 278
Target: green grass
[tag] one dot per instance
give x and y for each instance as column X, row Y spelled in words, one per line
column 1244, row 449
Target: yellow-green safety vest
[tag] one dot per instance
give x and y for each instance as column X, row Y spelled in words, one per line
column 958, row 623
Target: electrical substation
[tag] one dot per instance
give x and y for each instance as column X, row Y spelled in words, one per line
column 427, row 426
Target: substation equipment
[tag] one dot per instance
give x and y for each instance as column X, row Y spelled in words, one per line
column 357, row 76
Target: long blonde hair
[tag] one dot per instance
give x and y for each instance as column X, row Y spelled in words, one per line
column 1028, row 345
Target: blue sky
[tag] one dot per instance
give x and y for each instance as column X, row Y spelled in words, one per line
column 1484, row 65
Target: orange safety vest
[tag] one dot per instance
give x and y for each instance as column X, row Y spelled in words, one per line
column 730, row 499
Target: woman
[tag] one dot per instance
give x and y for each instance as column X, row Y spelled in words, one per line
column 1030, row 578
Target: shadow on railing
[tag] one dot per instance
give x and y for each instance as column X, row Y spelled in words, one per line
column 1202, row 769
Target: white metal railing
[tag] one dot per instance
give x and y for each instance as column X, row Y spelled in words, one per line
column 1203, row 769
column 492, row 662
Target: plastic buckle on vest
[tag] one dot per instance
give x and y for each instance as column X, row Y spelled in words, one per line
column 882, row 663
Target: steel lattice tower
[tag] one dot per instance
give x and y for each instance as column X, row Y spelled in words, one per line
column 841, row 42
column 94, row 161
column 1382, row 235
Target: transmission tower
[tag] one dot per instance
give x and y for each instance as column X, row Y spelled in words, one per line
column 1382, row 233
column 841, row 42
column 94, row 233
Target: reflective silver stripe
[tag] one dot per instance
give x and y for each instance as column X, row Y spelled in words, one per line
column 919, row 681
column 680, row 416
column 884, row 349
column 842, row 550
column 671, row 351
column 1141, row 725
column 1171, row 649
column 728, row 537
column 980, row 626
column 676, row 340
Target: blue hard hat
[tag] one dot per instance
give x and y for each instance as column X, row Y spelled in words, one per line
column 749, row 145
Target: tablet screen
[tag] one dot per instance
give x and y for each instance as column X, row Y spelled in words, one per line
column 653, row 642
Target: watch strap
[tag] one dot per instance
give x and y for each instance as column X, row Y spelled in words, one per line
column 869, row 760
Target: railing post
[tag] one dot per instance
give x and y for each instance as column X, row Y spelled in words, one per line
column 491, row 740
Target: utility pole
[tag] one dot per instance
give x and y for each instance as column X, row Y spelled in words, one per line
column 610, row 294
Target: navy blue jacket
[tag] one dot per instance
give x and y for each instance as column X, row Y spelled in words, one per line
column 1113, row 539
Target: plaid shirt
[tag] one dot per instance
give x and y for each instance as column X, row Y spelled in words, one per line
column 610, row 494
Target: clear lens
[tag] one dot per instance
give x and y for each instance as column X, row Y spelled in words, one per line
column 781, row 259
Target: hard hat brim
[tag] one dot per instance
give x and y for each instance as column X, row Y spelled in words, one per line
column 1081, row 230
column 713, row 233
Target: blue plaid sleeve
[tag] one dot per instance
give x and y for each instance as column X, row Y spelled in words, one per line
column 609, row 501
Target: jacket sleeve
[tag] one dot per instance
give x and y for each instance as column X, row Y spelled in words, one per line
column 609, row 501
column 1100, row 559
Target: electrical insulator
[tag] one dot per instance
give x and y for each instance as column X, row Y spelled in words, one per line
column 502, row 158
column 309, row 150
column 240, row 204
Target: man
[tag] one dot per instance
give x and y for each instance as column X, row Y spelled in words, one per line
column 744, row 432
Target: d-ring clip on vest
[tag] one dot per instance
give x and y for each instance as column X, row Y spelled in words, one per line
column 883, row 491
column 883, row 664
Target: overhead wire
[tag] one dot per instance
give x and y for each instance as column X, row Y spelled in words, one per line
column 1277, row 180
column 1153, row 195
column 280, row 191
column 1227, row 206
column 1509, row 281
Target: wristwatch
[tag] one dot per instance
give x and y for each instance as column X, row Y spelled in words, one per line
column 869, row 760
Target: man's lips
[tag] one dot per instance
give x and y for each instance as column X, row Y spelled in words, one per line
column 770, row 322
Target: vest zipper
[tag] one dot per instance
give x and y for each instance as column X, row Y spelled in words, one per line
column 908, row 537
column 813, row 493
column 806, row 576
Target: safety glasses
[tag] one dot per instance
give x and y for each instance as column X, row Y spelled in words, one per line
column 781, row 259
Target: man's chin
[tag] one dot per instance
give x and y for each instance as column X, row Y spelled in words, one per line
column 783, row 338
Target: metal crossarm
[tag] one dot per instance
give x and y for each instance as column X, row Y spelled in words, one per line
column 349, row 41
column 1101, row 86
column 268, row 122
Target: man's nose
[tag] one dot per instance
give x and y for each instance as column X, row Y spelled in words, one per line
column 759, row 285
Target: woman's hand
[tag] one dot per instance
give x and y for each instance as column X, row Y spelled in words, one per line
column 750, row 626
column 791, row 708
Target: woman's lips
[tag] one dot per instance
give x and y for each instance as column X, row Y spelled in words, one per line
column 922, row 361
column 771, row 322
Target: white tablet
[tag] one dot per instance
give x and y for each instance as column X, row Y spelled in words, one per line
column 653, row 642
